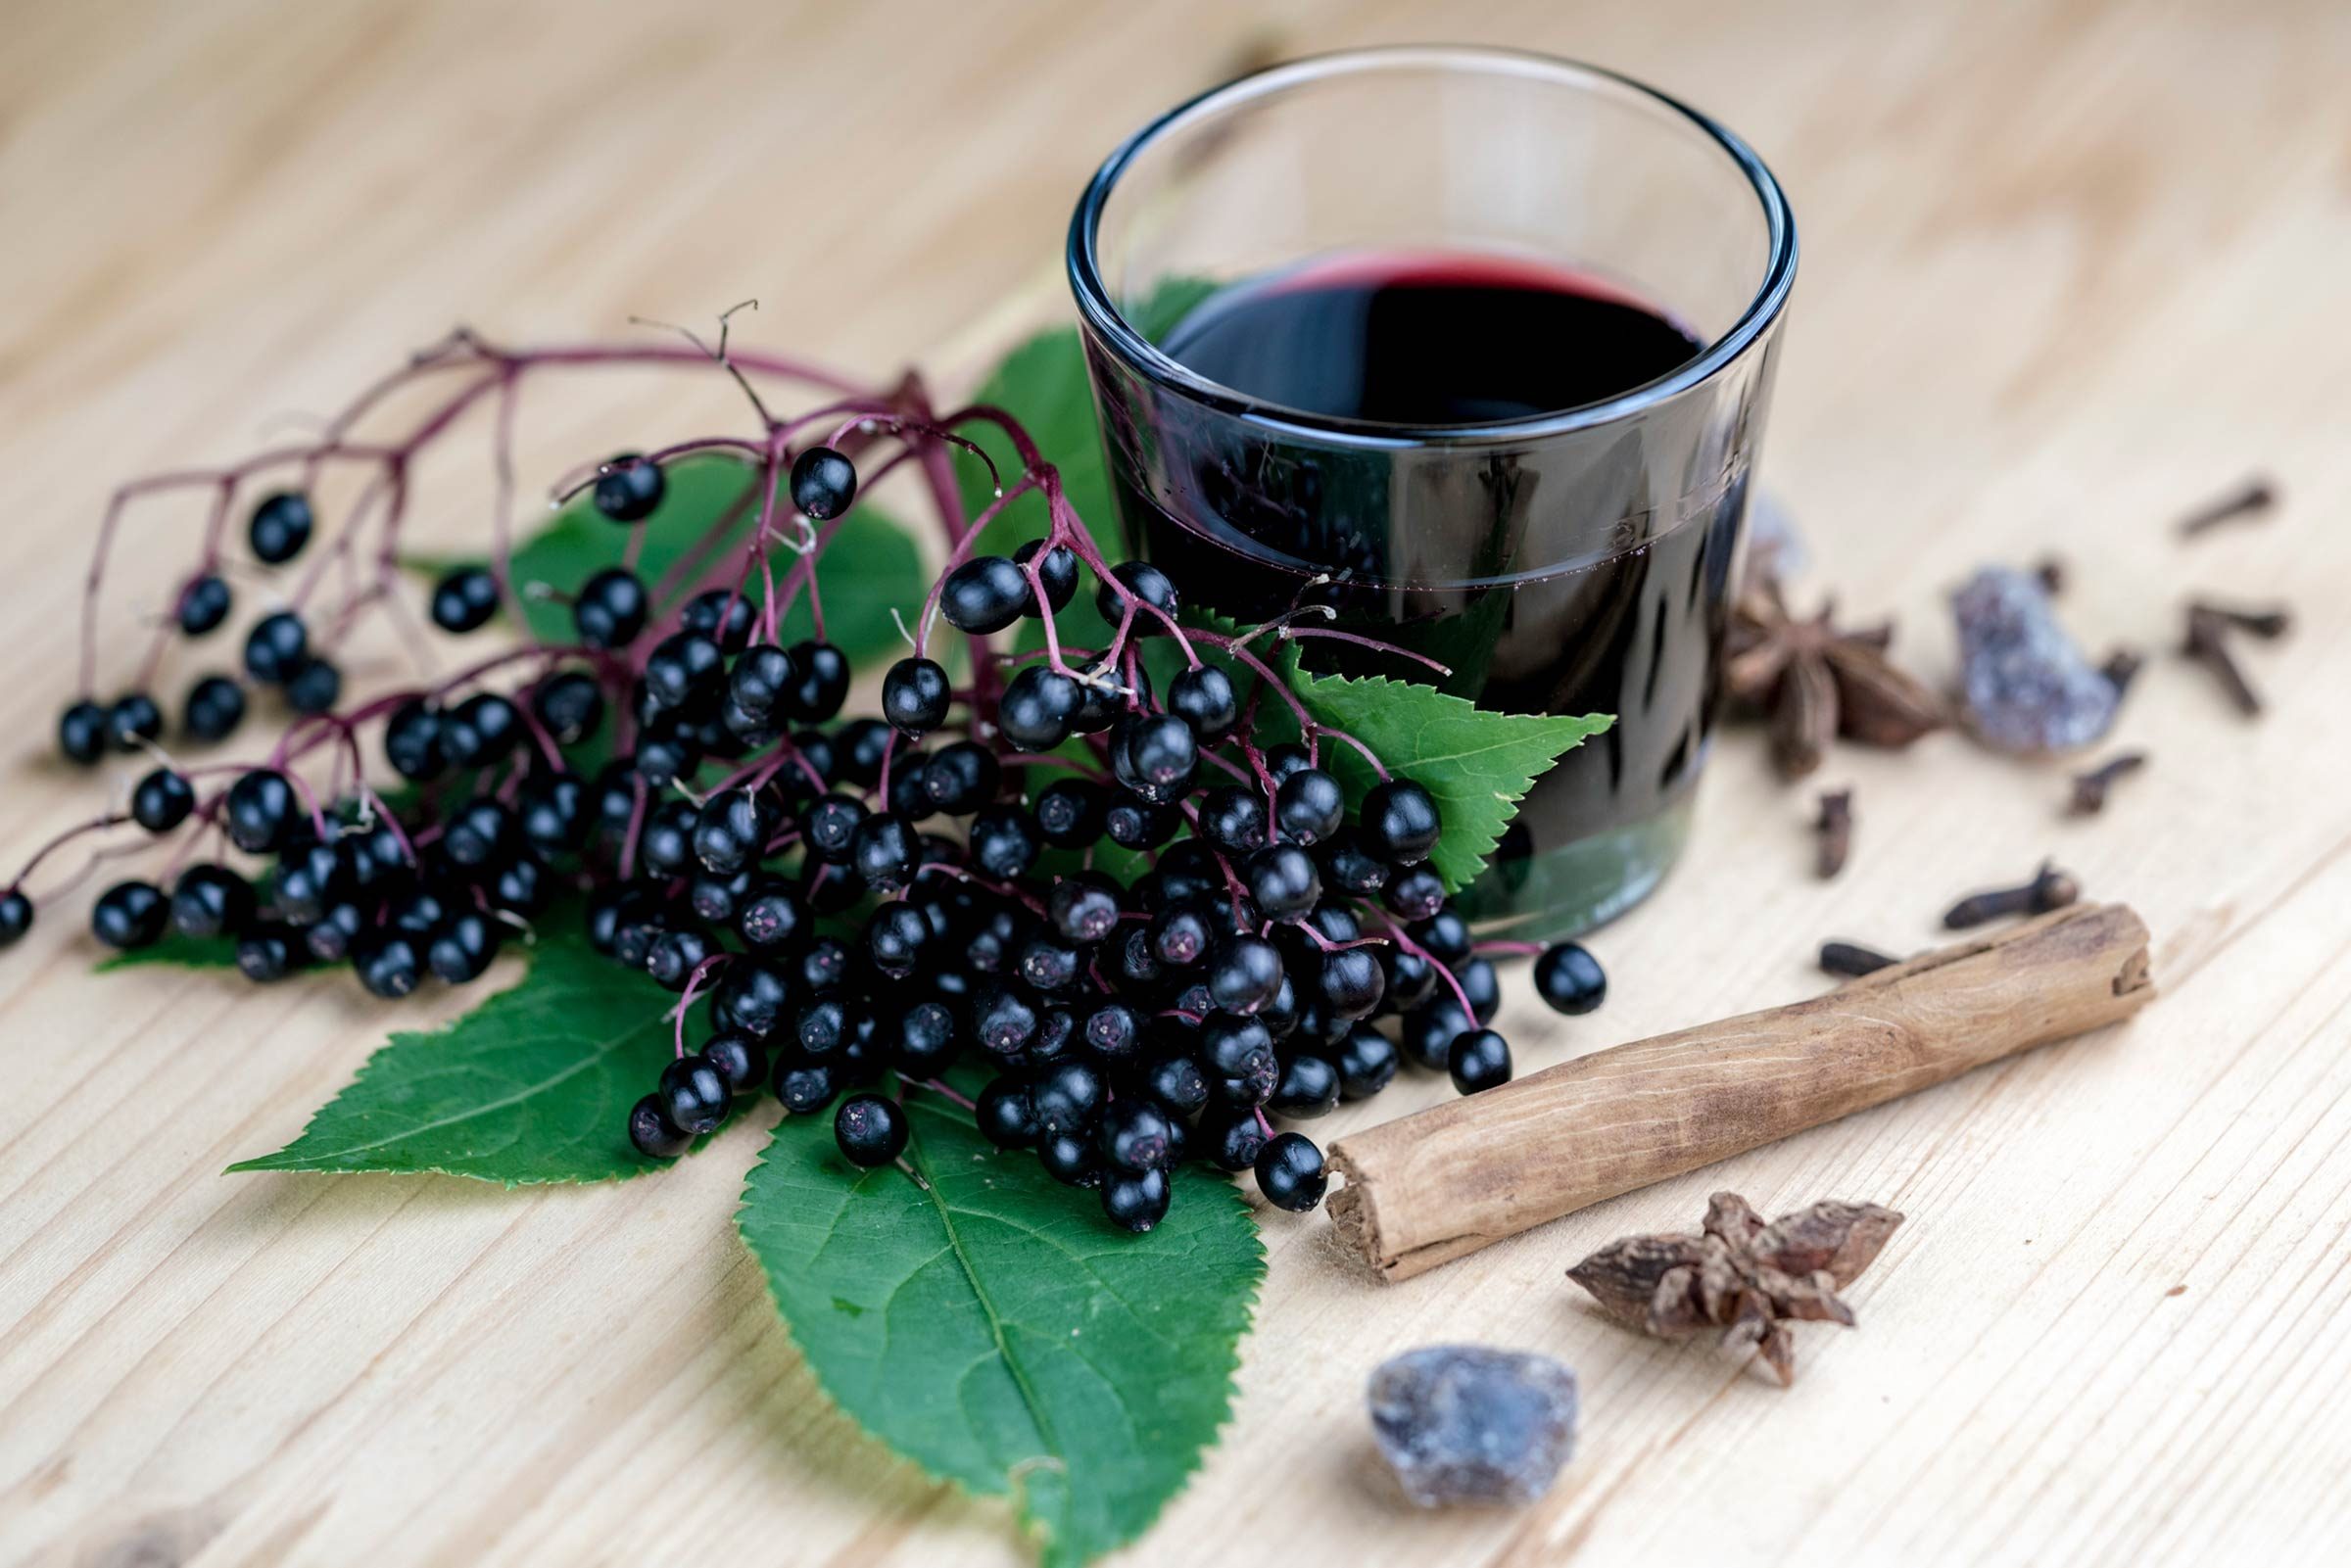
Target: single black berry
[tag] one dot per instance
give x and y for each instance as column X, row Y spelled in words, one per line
column 215, row 706
column 1069, row 813
column 1058, row 571
column 1244, row 972
column 628, row 487
column 1310, row 1087
column 277, row 645
column 390, row 965
column 611, row 609
column 1478, row 1060
column 1082, row 912
column 870, row 1130
column 480, row 731
column 1444, row 936
column 1204, row 698
column 314, row 686
column 986, row 594
column 130, row 915
column 1004, row 1114
column 132, row 720
column 721, row 614
column 261, row 811
column 1234, row 819
column 884, row 852
column 1138, row 825
column 281, row 527
column 694, row 1094
column 822, row 483
column 1234, row 1142
column 1143, row 582
column 1155, row 755
column 1400, row 823
column 820, row 682
column 1429, row 1031
column 1482, row 987
column 211, row 901
column 16, row 916
column 740, row 1057
column 269, row 953
column 653, row 1133
column 81, row 733
column 203, row 605
column 1039, row 708
column 962, row 778
column 1570, row 978
column 1135, row 1201
column 465, row 599
column 1309, row 806
column 915, row 695
column 1178, row 1083
column 1351, row 981
column 1285, row 882
column 462, row 949
column 1366, row 1063
column 1414, row 895
column 805, row 1087
column 1003, row 841
column 162, row 800
column 1349, row 865
column 894, row 937
column 1289, row 1173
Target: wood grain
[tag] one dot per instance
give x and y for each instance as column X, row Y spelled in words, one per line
column 1436, row 1186
column 2070, row 266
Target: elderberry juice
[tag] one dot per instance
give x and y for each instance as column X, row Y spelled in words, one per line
column 1361, row 456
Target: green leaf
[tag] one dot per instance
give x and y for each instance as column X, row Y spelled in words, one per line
column 532, row 1087
column 1043, row 383
column 184, row 952
column 1476, row 763
column 872, row 565
column 997, row 1331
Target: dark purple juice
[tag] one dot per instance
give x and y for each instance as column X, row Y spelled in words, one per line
column 1584, row 571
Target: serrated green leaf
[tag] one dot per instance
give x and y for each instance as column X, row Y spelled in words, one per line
column 184, row 952
column 997, row 1331
column 534, row 1085
column 1477, row 764
column 872, row 566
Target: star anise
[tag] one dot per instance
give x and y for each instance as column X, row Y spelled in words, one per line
column 1741, row 1275
column 1817, row 681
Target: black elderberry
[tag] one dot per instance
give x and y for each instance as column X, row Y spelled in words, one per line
column 1414, row 895
column 1400, row 821
column 1281, row 1016
column 161, row 800
column 211, row 901
column 676, row 955
column 1309, row 1087
column 1155, row 755
column 133, row 720
column 1482, row 987
column 315, row 687
column 1429, row 1031
column 1284, row 881
column 1048, row 966
column 1178, row 1083
column 1003, row 841
column 1082, row 912
column 261, row 811
column 462, row 949
column 412, row 741
column 1234, row 819
column 924, row 1043
column 894, row 937
column 268, row 953
column 1204, row 697
column 1139, row 825
column 1244, row 972
column 682, row 668
column 280, row 526
column 721, row 614
column 215, row 706
column 1070, row 1157
column 986, row 594
column 1366, row 1063
column 666, row 845
column 1571, row 979
column 1309, row 806
column 732, row 827
column 1004, row 1114
column 771, row 916
column 1445, row 936
column 16, row 916
column 915, row 695
column 653, row 1133
column 476, row 832
column 1070, row 811
column 552, row 812
column 1234, row 1047
column 611, row 609
column 1180, row 936
column 1234, row 1141
column 820, row 682
column 1138, row 966
column 1289, row 1173
column 805, row 1087
column 870, row 1130
column 1039, row 708
column 1478, row 1058
column 907, row 796
column 824, row 966
column 829, row 827
column 1146, row 583
column 882, row 851
column 822, row 483
column 81, row 733
column 1058, row 571
column 569, row 706
column 1002, row 1020
column 309, row 880
column 464, row 599
column 389, row 965
column 1286, row 759
column 694, row 1094
column 1349, row 866
column 628, row 488
column 962, row 778
column 1352, row 982
column 665, row 756
column 1411, row 978
column 131, row 914
column 276, row 647
column 331, row 937
column 203, row 605
column 1112, row 1031
column 519, row 886
column 1136, row 1201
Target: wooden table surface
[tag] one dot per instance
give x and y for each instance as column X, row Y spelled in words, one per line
column 2068, row 268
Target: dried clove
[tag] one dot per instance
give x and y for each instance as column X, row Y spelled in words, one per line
column 2251, row 498
column 2051, row 572
column 2049, row 888
column 2208, row 629
column 1850, row 960
column 2091, row 789
column 2121, row 668
column 1835, row 826
column 1741, row 1275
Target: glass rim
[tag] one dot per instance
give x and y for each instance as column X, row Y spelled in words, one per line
column 1102, row 312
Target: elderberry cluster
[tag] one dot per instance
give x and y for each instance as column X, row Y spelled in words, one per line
column 874, row 908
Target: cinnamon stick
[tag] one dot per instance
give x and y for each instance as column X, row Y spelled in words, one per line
column 1431, row 1187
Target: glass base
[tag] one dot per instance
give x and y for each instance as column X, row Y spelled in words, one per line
column 1572, row 889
